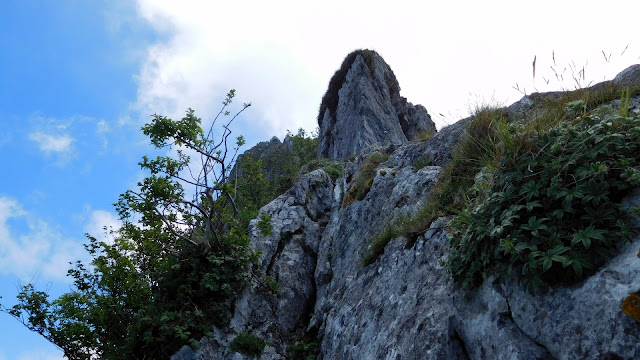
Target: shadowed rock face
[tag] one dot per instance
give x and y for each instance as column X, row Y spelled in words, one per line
column 363, row 107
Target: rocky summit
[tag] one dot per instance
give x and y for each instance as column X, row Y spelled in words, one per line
column 403, row 304
column 363, row 107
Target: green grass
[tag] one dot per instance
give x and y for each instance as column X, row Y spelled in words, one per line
column 376, row 249
column 424, row 135
column 422, row 162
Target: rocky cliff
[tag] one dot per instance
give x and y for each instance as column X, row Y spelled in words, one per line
column 404, row 305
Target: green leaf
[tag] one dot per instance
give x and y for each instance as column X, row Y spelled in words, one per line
column 530, row 189
column 535, row 225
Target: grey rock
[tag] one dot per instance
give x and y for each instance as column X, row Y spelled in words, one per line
column 369, row 109
column 404, row 306
column 584, row 321
column 484, row 322
column 185, row 353
column 289, row 255
column 629, row 77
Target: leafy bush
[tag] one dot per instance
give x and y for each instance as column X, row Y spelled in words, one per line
column 302, row 351
column 172, row 269
column 262, row 180
column 363, row 182
column 553, row 212
column 264, row 224
column 490, row 132
column 248, row 344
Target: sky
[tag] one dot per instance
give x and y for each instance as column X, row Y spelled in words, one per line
column 79, row 78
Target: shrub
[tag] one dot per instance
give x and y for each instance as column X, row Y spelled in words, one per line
column 553, row 213
column 248, row 344
column 264, row 224
column 491, row 132
column 172, row 269
column 422, row 162
column 262, row 177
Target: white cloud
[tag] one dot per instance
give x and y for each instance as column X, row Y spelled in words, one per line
column 52, row 143
column 29, row 247
column 102, row 127
column 98, row 220
column 280, row 55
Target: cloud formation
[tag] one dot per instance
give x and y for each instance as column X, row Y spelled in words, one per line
column 52, row 143
column 31, row 248
column 100, row 223
column 280, row 55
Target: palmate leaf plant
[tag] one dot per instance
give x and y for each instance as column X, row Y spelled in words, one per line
column 553, row 215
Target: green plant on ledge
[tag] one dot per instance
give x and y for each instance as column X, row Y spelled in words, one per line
column 248, row 344
column 422, row 162
column 488, row 135
column 478, row 148
column 363, row 182
column 554, row 214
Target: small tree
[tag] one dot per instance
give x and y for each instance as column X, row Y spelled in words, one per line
column 172, row 268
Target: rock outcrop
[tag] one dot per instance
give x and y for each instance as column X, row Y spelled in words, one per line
column 404, row 306
column 269, row 152
column 363, row 107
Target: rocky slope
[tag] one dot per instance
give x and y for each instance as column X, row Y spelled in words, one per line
column 404, row 306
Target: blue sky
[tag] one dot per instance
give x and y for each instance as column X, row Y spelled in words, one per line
column 79, row 78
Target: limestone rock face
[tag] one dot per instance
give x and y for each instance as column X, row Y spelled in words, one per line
column 363, row 106
column 629, row 77
column 404, row 306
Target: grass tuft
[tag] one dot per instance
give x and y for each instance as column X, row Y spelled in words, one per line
column 363, row 182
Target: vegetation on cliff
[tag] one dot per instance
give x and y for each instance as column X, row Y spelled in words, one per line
column 535, row 198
